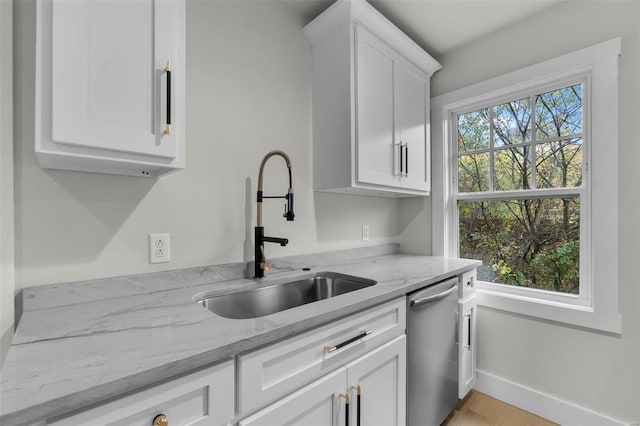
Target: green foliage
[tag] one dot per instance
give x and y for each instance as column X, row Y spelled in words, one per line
column 543, row 253
column 525, row 242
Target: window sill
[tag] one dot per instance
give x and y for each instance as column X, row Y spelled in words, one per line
column 581, row 316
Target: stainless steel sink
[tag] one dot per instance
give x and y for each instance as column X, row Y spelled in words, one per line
column 275, row 298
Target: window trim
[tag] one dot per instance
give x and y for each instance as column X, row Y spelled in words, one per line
column 596, row 66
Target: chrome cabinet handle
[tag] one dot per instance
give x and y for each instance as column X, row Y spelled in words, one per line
column 167, row 69
column 433, row 298
column 457, row 313
column 362, row 334
column 468, row 345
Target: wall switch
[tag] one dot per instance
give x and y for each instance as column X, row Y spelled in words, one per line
column 365, row 232
column 159, row 248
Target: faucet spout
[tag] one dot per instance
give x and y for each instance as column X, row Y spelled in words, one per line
column 261, row 263
column 289, row 215
column 282, row 241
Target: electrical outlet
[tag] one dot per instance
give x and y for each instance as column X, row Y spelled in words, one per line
column 159, row 248
column 365, row 232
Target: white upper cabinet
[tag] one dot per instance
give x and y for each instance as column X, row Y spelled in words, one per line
column 370, row 104
column 110, row 85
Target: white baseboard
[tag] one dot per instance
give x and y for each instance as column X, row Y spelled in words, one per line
column 540, row 404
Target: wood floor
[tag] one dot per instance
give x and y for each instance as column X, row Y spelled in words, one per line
column 478, row 409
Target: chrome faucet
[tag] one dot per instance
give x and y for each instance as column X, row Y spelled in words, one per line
column 261, row 263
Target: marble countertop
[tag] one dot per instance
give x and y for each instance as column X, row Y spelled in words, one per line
column 81, row 343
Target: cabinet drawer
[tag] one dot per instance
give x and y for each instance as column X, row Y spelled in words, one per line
column 468, row 284
column 274, row 371
column 202, row 398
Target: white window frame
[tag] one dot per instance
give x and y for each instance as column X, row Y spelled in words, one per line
column 596, row 67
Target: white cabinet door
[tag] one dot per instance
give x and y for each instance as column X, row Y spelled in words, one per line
column 467, row 345
column 102, row 90
column 412, row 106
column 318, row 404
column 392, row 103
column 375, row 113
column 381, row 377
column 199, row 399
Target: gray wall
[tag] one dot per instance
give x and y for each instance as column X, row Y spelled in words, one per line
column 248, row 91
column 596, row 371
column 6, row 177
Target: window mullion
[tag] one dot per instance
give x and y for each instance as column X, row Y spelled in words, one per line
column 491, row 150
column 534, row 167
column 571, row 192
column 455, row 158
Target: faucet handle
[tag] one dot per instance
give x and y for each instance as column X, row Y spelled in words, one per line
column 265, row 265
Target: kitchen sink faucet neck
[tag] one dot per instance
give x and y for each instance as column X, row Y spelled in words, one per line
column 261, row 264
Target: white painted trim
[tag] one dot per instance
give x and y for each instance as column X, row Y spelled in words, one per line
column 600, row 295
column 7, row 219
column 540, row 403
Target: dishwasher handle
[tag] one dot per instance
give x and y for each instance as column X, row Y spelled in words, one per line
column 433, row 298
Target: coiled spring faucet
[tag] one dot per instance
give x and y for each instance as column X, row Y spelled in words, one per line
column 261, row 263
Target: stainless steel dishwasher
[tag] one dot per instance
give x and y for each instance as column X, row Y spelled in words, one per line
column 432, row 353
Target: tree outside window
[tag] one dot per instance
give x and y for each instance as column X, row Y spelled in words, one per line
column 519, row 185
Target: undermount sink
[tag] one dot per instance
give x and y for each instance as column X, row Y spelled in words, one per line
column 263, row 301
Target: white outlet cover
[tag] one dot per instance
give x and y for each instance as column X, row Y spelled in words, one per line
column 159, row 248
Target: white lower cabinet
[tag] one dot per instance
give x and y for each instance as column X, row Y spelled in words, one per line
column 319, row 403
column 275, row 371
column 373, row 386
column 381, row 378
column 202, row 398
column 467, row 350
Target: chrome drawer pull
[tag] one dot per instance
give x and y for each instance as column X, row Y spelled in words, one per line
column 362, row 334
column 468, row 345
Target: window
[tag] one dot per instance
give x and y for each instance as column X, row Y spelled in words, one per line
column 520, row 167
column 525, row 179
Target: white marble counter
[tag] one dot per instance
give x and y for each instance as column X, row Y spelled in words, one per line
column 79, row 344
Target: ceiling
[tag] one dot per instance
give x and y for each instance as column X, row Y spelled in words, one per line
column 440, row 26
